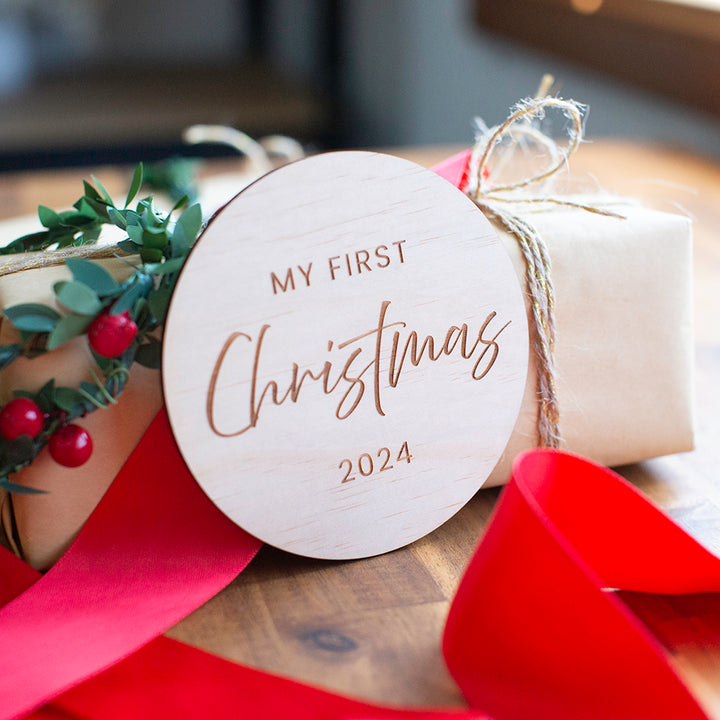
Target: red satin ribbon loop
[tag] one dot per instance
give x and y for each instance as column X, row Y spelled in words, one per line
column 536, row 631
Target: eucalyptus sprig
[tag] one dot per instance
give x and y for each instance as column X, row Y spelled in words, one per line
column 157, row 245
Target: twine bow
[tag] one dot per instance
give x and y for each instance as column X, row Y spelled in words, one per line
column 494, row 201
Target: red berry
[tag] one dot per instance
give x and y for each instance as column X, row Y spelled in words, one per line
column 70, row 445
column 110, row 335
column 21, row 416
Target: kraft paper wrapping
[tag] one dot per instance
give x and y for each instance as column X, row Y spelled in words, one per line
column 624, row 334
column 623, row 350
column 47, row 524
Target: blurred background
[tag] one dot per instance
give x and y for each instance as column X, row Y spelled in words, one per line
column 96, row 81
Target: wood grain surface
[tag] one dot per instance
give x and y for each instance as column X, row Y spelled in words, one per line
column 372, row 628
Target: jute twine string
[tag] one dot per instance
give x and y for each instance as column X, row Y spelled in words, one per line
column 494, row 199
column 29, row 261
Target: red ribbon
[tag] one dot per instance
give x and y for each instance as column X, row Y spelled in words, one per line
column 534, row 631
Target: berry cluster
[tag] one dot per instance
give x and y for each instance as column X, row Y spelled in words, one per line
column 69, row 444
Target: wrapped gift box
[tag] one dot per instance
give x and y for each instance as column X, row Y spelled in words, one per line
column 624, row 334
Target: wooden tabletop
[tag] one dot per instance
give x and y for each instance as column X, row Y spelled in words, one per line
column 372, row 628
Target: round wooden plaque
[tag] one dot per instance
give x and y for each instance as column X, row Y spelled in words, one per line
column 345, row 355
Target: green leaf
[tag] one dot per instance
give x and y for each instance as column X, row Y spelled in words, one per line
column 78, row 297
column 93, row 395
column 91, row 235
column 127, row 358
column 135, row 184
column 135, row 232
column 9, row 353
column 45, row 397
column 72, row 218
column 149, row 354
column 88, row 387
column 24, row 394
column 154, row 238
column 116, row 218
column 190, row 222
column 105, row 194
column 100, row 207
column 95, row 276
column 184, row 200
column 78, row 218
column 164, row 268
column 139, row 288
column 91, row 192
column 12, row 487
column 67, row 328
column 106, row 365
column 180, row 243
column 128, row 246
column 159, row 301
column 27, row 243
column 150, row 218
column 116, row 384
column 20, row 450
column 140, row 313
column 32, row 317
column 69, row 399
column 84, row 208
column 48, row 218
column 151, row 255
